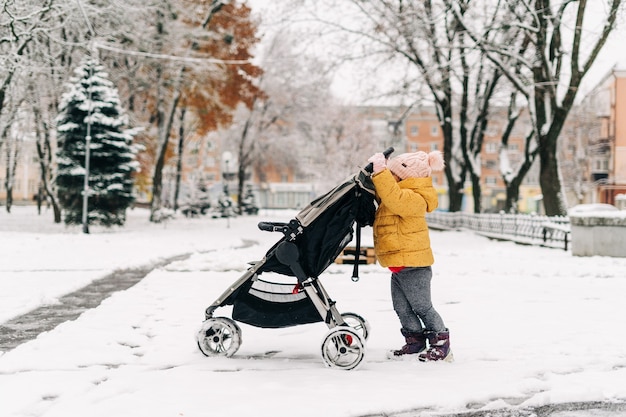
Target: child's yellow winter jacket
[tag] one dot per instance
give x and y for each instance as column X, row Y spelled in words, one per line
column 400, row 231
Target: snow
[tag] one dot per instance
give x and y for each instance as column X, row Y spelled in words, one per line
column 529, row 326
column 596, row 210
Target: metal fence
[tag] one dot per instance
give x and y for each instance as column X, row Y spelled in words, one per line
column 527, row 229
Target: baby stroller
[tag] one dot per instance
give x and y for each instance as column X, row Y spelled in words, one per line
column 311, row 242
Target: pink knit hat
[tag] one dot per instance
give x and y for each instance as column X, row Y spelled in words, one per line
column 416, row 164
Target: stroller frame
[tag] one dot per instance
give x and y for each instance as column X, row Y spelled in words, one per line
column 287, row 253
column 308, row 302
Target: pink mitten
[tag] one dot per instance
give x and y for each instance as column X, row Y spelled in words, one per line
column 378, row 161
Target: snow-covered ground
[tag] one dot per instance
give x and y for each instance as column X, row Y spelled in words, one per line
column 529, row 326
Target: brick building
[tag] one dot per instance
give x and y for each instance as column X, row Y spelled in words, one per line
column 419, row 130
column 592, row 156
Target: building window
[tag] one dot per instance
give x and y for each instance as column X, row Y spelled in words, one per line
column 490, row 164
column 601, row 165
column 491, row 147
column 412, row 147
column 434, row 146
column 490, row 180
column 414, row 130
column 434, row 130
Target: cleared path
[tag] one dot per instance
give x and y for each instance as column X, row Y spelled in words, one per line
column 26, row 327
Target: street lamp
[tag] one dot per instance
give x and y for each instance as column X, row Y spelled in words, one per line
column 87, row 158
column 92, row 48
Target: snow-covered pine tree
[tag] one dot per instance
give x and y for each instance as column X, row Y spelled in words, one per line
column 92, row 97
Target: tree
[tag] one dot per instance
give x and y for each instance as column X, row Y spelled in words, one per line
column 22, row 26
column 423, row 44
column 40, row 43
column 214, row 105
column 547, row 73
column 20, row 33
column 91, row 120
column 296, row 125
column 203, row 51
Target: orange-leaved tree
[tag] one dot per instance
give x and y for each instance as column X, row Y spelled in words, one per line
column 197, row 58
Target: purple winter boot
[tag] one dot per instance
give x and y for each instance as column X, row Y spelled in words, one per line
column 439, row 347
column 415, row 343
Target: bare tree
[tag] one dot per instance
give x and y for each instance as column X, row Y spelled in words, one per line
column 430, row 54
column 20, row 23
column 549, row 72
column 40, row 41
column 297, row 125
column 198, row 58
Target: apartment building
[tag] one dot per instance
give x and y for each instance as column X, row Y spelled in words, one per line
column 422, row 132
column 595, row 142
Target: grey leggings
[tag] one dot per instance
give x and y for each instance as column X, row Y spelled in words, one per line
column 410, row 293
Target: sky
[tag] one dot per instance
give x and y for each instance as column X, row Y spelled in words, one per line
column 352, row 79
column 529, row 326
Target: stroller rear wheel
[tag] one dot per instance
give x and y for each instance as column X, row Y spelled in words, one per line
column 219, row 336
column 343, row 348
column 358, row 323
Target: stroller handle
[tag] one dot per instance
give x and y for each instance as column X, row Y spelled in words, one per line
column 370, row 167
column 290, row 230
column 272, row 227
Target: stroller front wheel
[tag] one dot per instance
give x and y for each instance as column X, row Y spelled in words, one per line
column 219, row 336
column 343, row 348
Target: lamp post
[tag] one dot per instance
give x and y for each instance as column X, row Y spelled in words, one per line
column 92, row 33
column 85, row 219
column 87, row 157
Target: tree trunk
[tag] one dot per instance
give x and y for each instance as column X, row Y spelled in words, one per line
column 241, row 176
column 455, row 194
column 512, row 195
column 244, row 158
column 9, row 199
column 549, row 179
column 179, row 161
column 512, row 192
column 44, row 152
column 455, row 185
column 12, row 152
column 476, row 192
column 164, row 126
